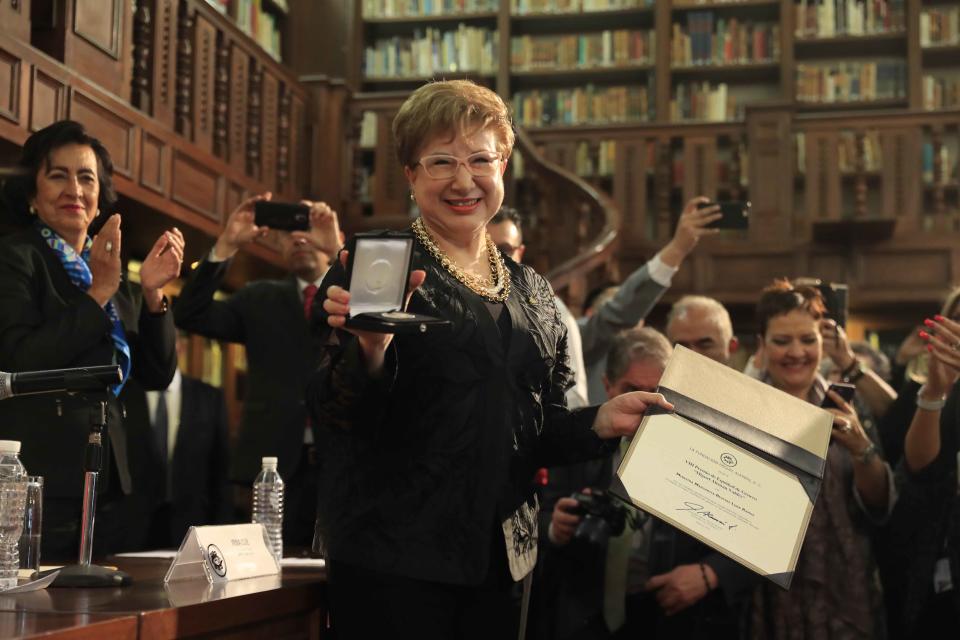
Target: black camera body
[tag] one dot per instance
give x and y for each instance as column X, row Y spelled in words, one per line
column 602, row 516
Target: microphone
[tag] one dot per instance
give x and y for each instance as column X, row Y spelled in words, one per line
column 76, row 380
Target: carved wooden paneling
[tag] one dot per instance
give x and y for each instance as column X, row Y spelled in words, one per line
column 99, row 23
column 254, row 120
column 907, row 270
column 901, row 179
column 15, row 18
column 630, row 189
column 746, row 272
column 269, row 128
column 163, row 93
column 297, row 136
column 390, row 189
column 116, row 133
column 770, row 147
column 237, row 133
column 700, row 168
column 99, row 42
column 48, row 100
column 235, row 194
column 10, row 81
column 822, row 178
column 221, row 97
column 183, row 103
column 204, row 82
column 153, row 164
column 195, row 186
column 829, row 267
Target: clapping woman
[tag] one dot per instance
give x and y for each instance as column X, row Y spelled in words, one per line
column 65, row 302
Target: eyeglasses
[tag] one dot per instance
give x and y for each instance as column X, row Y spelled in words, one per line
column 440, row 166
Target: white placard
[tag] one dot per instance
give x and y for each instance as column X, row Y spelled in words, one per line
column 223, row 553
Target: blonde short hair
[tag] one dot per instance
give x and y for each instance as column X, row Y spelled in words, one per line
column 450, row 107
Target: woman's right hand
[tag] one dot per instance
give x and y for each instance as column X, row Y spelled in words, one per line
column 372, row 344
column 240, row 228
column 105, row 261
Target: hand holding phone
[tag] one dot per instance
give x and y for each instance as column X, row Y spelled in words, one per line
column 842, row 389
column 283, row 216
column 735, row 214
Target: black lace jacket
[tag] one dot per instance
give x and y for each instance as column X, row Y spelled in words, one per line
column 421, row 465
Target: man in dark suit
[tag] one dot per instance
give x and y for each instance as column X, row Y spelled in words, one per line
column 181, row 472
column 268, row 318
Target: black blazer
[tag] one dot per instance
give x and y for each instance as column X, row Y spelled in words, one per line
column 423, row 464
column 46, row 322
column 199, row 470
column 265, row 316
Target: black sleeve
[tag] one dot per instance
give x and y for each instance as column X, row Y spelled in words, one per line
column 196, row 310
column 29, row 338
column 153, row 348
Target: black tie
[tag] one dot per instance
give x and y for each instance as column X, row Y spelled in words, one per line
column 161, row 425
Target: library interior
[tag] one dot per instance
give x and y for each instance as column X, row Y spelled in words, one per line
column 832, row 125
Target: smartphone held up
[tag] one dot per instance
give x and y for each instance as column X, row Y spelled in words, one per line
column 735, row 214
column 282, row 216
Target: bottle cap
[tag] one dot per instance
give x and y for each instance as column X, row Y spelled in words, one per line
column 266, row 460
column 13, row 446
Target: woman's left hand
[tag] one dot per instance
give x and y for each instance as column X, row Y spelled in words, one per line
column 161, row 266
column 621, row 416
column 943, row 341
column 847, row 429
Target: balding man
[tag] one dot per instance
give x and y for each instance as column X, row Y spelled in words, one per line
column 703, row 325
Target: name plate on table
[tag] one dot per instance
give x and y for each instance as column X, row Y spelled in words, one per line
column 223, row 553
column 738, row 465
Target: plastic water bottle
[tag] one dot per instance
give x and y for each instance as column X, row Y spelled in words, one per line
column 13, row 498
column 268, row 504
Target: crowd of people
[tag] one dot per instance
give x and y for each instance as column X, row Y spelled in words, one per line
column 445, row 468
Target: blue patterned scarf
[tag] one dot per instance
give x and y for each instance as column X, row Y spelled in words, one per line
column 80, row 275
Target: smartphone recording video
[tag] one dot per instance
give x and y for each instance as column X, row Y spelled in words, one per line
column 735, row 214
column 283, row 216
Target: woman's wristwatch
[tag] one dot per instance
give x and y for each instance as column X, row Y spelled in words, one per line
column 853, row 373
column 929, row 405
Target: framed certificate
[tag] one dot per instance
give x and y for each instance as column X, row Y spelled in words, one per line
column 737, row 465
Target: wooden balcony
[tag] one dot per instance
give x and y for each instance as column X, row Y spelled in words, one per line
column 196, row 116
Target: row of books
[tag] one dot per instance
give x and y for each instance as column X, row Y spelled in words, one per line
column 948, row 165
column 704, row 42
column 940, row 27
column 414, row 8
column 472, row 49
column 830, row 18
column 595, row 160
column 704, row 101
column 522, row 7
column 941, row 92
column 583, row 105
column 260, row 25
column 851, row 81
column 607, row 48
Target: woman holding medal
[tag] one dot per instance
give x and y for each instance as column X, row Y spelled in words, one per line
column 433, row 439
column 65, row 302
column 835, row 592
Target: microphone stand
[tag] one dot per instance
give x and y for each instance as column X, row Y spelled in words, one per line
column 85, row 574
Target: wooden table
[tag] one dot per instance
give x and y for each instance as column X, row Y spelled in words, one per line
column 289, row 606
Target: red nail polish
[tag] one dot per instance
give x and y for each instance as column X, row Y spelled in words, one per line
column 930, row 348
column 928, row 322
column 938, row 318
column 923, row 334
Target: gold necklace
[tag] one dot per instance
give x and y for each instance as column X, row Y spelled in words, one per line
column 497, row 289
